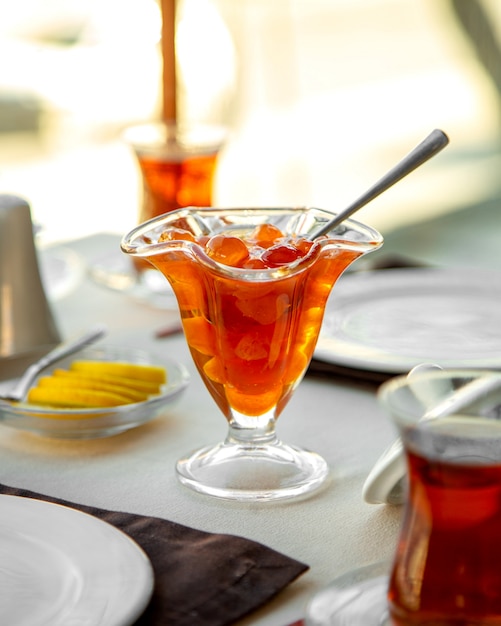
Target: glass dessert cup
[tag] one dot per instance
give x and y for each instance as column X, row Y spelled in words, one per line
column 445, row 570
column 251, row 334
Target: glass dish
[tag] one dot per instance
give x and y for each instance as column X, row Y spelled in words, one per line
column 92, row 423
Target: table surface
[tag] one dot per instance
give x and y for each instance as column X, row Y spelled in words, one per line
column 334, row 530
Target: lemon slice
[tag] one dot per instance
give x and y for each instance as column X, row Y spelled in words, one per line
column 130, row 383
column 75, row 398
column 98, row 384
column 82, row 383
column 151, row 373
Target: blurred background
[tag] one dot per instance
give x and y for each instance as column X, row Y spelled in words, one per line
column 321, row 98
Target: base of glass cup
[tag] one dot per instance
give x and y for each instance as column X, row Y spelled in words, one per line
column 263, row 472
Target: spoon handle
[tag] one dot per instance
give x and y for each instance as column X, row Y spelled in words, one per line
column 432, row 144
column 59, row 352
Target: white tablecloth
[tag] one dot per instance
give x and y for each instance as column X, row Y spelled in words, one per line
column 332, row 531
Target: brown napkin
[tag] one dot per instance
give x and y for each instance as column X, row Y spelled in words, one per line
column 201, row 579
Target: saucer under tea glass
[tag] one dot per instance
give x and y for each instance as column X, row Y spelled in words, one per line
column 251, row 333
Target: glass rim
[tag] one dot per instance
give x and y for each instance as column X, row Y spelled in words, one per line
column 386, row 393
column 171, row 138
column 373, row 242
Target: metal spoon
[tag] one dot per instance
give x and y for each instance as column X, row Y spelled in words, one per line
column 430, row 146
column 20, row 389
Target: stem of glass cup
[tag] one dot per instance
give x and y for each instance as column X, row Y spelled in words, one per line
column 252, row 431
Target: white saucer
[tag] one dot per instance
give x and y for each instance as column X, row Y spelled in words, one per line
column 386, row 481
column 61, row 566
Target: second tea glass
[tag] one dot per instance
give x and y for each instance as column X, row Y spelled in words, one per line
column 251, row 333
column 177, row 163
column 446, row 569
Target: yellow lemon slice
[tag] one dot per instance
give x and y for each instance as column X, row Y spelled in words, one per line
column 130, row 383
column 75, row 398
column 98, row 384
column 151, row 373
column 82, row 383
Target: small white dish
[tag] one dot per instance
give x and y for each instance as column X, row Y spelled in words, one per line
column 61, row 566
column 386, row 481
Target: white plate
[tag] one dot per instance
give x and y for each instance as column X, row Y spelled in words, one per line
column 62, row 567
column 391, row 320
